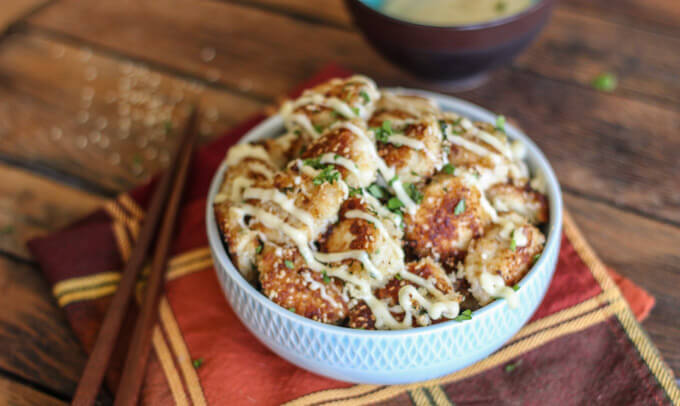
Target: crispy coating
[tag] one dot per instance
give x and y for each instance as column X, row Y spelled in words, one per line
column 285, row 148
column 360, row 316
column 359, row 234
column 313, row 112
column 241, row 242
column 415, row 121
column 496, row 253
column 341, row 142
column 288, row 282
column 436, row 230
column 524, row 201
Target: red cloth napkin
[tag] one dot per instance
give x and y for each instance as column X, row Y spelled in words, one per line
column 583, row 345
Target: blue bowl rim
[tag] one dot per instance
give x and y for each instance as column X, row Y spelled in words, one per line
column 553, row 239
column 538, row 4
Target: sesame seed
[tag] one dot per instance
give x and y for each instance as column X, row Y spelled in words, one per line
column 208, row 54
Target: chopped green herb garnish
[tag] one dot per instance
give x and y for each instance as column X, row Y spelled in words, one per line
column 318, row 128
column 289, row 264
column 328, row 174
column 168, row 127
column 394, row 203
column 377, row 191
column 137, row 159
column 394, row 179
column 355, row 110
column 501, row 6
column 326, row 278
column 460, row 207
column 314, row 163
column 297, row 132
column 336, row 156
column 197, row 362
column 605, row 82
column 413, row 192
column 383, row 132
column 465, row 315
column 335, row 114
column 259, row 248
column 512, row 366
column 443, row 125
column 516, row 287
column 397, row 277
column 365, row 96
column 513, row 243
column 536, row 257
column 500, row 123
column 292, row 309
column 353, row 191
column 449, row 169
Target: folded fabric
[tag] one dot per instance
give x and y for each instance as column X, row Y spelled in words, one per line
column 582, row 346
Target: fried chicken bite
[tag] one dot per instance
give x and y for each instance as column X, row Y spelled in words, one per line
column 349, row 150
column 407, row 141
column 448, row 218
column 361, row 316
column 502, row 257
column 336, row 100
column 288, row 282
column 361, row 228
column 525, row 201
column 483, row 149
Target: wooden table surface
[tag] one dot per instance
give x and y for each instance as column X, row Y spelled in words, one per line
column 86, row 88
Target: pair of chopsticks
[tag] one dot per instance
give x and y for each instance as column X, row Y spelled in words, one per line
column 164, row 205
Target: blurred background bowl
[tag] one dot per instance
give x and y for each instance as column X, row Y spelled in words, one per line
column 449, row 53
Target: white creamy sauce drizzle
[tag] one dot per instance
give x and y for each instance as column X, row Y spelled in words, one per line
column 359, row 286
column 330, row 158
column 239, row 152
column 487, row 138
column 494, row 285
column 316, row 285
column 287, row 204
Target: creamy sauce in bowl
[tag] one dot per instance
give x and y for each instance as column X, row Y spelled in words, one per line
column 452, row 12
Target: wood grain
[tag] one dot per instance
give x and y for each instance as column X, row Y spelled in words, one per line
column 96, row 117
column 12, row 10
column 31, row 206
column 644, row 251
column 611, row 135
column 652, row 15
column 36, row 343
column 13, row 393
column 574, row 47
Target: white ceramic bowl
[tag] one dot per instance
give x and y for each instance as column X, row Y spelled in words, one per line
column 390, row 357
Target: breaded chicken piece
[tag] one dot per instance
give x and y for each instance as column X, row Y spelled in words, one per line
column 242, row 242
column 285, row 148
column 349, row 150
column 448, row 218
column 482, row 148
column 525, row 201
column 304, row 198
column 336, row 100
column 401, row 107
column 407, row 140
column 507, row 250
column 360, row 228
column 288, row 282
column 361, row 316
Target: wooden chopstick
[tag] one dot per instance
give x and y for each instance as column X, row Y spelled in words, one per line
column 138, row 353
column 93, row 374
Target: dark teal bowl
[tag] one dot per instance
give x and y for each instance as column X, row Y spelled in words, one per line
column 451, row 52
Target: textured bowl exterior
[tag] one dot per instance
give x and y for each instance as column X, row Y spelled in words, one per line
column 389, row 357
column 449, row 53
